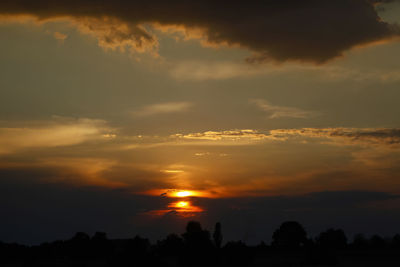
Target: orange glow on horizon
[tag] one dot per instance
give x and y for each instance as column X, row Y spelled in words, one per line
column 184, row 207
column 179, row 193
column 180, row 208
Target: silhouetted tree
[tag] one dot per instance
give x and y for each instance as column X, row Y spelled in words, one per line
column 171, row 245
column 217, row 235
column 198, row 245
column 360, row 242
column 396, row 241
column 332, row 239
column 130, row 251
column 195, row 236
column 99, row 236
column 100, row 245
column 236, row 253
column 377, row 242
column 195, row 247
column 80, row 245
column 327, row 245
column 80, row 237
column 290, row 235
column 169, row 250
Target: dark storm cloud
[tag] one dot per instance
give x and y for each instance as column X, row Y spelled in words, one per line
column 307, row 30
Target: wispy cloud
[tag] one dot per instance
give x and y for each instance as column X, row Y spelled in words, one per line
column 200, row 71
column 61, row 37
column 162, row 108
column 59, row 132
column 363, row 137
column 224, row 135
column 282, row 111
column 224, row 70
column 212, row 138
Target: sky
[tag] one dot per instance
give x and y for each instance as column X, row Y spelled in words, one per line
column 137, row 117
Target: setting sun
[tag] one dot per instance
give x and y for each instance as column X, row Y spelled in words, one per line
column 182, row 204
column 183, row 194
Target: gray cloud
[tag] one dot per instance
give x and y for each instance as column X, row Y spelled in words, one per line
column 309, row 30
column 374, row 136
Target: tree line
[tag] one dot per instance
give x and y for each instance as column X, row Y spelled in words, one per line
column 197, row 246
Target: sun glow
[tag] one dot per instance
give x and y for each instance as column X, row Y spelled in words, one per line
column 180, row 193
column 183, row 194
column 184, row 207
column 182, row 204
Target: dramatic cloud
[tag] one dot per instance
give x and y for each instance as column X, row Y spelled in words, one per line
column 309, row 30
column 281, row 111
column 162, row 108
column 113, row 34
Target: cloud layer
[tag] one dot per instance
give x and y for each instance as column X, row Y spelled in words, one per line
column 357, row 136
column 309, row 30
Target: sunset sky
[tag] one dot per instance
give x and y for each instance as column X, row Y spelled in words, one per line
column 133, row 117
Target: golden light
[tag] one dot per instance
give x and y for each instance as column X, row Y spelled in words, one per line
column 172, row 171
column 183, row 193
column 184, row 207
column 181, row 208
column 182, row 204
column 180, row 193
